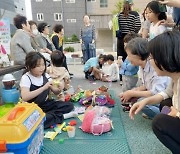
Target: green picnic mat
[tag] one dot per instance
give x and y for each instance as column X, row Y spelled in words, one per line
column 113, row 142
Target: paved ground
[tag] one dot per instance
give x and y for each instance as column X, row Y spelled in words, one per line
column 139, row 133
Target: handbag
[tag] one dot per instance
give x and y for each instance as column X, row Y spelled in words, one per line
column 83, row 47
column 92, row 46
column 119, row 31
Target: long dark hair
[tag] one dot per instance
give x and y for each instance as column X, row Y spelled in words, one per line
column 32, row 59
column 126, row 9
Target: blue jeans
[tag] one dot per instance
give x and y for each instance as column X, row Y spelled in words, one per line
column 151, row 110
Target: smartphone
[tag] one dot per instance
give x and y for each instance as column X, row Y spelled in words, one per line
column 166, row 110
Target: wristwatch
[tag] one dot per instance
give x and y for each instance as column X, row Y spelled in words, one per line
column 178, row 114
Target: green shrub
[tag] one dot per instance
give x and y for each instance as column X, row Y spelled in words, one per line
column 73, row 38
column 69, row 49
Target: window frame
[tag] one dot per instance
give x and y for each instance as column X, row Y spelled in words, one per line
column 38, row 15
column 71, row 20
column 59, row 15
column 103, row 4
column 70, row 1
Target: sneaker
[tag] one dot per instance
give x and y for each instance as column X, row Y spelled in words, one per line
column 126, row 108
column 91, row 78
column 125, row 104
column 121, row 83
column 145, row 116
column 71, row 75
column 86, row 76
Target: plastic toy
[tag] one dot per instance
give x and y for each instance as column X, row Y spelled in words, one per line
column 100, row 100
column 67, row 97
column 103, row 89
column 76, row 97
column 71, row 130
column 51, row 135
column 21, row 127
column 61, row 141
column 8, row 81
column 96, row 123
column 87, row 93
column 9, row 92
column 86, row 101
column 72, row 123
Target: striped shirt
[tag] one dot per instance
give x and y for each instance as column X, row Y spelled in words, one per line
column 131, row 23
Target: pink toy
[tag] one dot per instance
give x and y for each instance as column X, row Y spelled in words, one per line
column 95, row 124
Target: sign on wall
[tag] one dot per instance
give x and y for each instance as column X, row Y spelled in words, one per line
column 4, row 40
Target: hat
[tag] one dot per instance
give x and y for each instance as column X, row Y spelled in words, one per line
column 129, row 1
column 8, row 77
column 41, row 26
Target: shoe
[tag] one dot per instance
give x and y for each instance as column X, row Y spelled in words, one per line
column 145, row 116
column 91, row 78
column 125, row 104
column 86, row 76
column 126, row 108
column 71, row 75
column 121, row 83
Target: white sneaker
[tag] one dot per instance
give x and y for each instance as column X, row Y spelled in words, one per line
column 121, row 83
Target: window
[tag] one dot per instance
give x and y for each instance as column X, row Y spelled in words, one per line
column 70, row 1
column 40, row 17
column 103, row 3
column 71, row 20
column 38, row 0
column 91, row 0
column 57, row 16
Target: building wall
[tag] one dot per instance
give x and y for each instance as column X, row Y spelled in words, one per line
column 73, row 11
column 69, row 11
column 93, row 8
column 101, row 17
column 10, row 8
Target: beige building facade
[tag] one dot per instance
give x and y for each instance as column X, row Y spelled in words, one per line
column 101, row 18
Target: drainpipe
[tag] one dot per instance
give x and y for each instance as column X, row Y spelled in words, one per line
column 85, row 6
column 62, row 10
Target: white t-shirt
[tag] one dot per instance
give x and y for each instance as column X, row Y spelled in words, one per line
column 38, row 81
column 155, row 30
column 113, row 72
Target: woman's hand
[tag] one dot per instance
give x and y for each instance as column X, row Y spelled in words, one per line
column 173, row 111
column 126, row 96
column 93, row 41
column 136, row 108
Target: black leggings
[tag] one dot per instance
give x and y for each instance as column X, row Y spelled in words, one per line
column 120, row 48
column 167, row 129
column 54, row 111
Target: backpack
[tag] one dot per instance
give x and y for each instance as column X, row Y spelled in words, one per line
column 95, row 121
